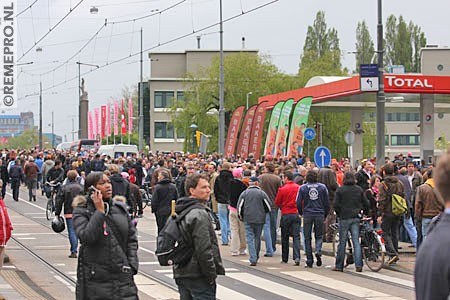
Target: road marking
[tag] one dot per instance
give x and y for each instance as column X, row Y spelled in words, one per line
column 164, row 271
column 149, row 263
column 154, row 289
column 68, row 285
column 26, row 234
column 60, row 265
column 28, row 214
column 147, row 250
column 272, row 287
column 408, row 283
column 42, row 217
column 338, row 285
column 226, row 293
column 26, row 238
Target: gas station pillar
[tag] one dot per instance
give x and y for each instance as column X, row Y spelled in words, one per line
column 427, row 127
column 357, row 127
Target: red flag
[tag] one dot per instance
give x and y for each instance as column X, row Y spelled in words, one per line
column 97, row 115
column 130, row 115
column 90, row 129
column 108, row 120
column 122, row 117
column 244, row 137
column 233, row 129
column 116, row 118
column 103, row 123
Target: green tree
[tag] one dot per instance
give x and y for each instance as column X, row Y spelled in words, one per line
column 321, row 52
column 403, row 43
column 244, row 72
column 28, row 139
column 364, row 45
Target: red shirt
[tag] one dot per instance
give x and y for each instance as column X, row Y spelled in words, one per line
column 287, row 198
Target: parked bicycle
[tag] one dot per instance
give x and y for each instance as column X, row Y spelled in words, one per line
column 50, row 191
column 372, row 245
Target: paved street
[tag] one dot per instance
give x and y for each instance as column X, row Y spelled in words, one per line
column 269, row 280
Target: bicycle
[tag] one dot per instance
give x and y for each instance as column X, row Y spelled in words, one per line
column 372, row 245
column 51, row 191
column 146, row 195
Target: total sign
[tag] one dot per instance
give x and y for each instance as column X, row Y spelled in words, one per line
column 407, row 82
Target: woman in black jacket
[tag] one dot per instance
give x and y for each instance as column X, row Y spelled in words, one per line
column 165, row 191
column 349, row 202
column 108, row 258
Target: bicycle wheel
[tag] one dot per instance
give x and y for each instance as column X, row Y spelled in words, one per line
column 373, row 254
column 49, row 209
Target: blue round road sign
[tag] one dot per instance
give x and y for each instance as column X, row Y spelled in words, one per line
column 322, row 156
column 309, row 134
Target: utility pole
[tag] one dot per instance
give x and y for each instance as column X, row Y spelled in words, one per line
column 221, row 91
column 40, row 116
column 53, row 131
column 141, row 101
column 380, row 105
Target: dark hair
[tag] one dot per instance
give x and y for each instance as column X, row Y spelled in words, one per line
column 327, row 177
column 165, row 173
column 311, row 176
column 373, row 178
column 349, row 178
column 430, row 173
column 192, row 181
column 92, row 179
column 72, row 175
column 270, row 167
column 389, row 169
column 289, row 175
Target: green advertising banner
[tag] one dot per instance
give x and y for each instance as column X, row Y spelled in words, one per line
column 298, row 125
column 269, row 148
column 283, row 129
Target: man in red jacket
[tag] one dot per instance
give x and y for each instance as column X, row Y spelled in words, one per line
column 290, row 219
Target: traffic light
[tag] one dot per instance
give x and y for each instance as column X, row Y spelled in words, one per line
column 198, row 135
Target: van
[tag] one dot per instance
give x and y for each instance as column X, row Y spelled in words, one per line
column 119, row 150
column 85, row 144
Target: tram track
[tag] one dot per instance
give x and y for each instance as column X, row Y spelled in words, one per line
column 48, row 264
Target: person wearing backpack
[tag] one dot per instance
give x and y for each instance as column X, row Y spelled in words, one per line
column 428, row 204
column 197, row 278
column 389, row 222
column 65, row 197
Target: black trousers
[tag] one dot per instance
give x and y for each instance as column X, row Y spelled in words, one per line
column 161, row 220
column 15, row 185
column 390, row 226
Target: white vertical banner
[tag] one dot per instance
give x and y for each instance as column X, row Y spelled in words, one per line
column 8, row 91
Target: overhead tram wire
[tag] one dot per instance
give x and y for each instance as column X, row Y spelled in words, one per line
column 76, row 53
column 164, row 43
column 27, row 8
column 50, row 30
column 149, row 15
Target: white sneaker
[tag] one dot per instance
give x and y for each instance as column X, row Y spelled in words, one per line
column 235, row 253
column 243, row 252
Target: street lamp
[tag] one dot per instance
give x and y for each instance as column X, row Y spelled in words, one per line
column 83, row 106
column 193, row 127
column 248, row 94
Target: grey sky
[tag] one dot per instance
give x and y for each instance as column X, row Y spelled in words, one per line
column 277, row 30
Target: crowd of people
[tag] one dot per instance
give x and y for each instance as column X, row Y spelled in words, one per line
column 250, row 198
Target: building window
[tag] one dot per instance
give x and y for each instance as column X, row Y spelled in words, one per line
column 180, row 95
column 180, row 133
column 402, row 117
column 386, row 140
column 405, row 140
column 163, row 130
column 163, row 99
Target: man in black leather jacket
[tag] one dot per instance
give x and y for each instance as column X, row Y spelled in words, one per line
column 197, row 279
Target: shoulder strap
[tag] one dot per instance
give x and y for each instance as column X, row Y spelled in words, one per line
column 114, row 235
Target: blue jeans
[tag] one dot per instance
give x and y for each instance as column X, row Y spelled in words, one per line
column 222, row 210
column 308, row 223
column 273, row 227
column 253, row 235
column 72, row 236
column 410, row 229
column 425, row 223
column 344, row 227
column 196, row 288
column 268, row 236
column 290, row 226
